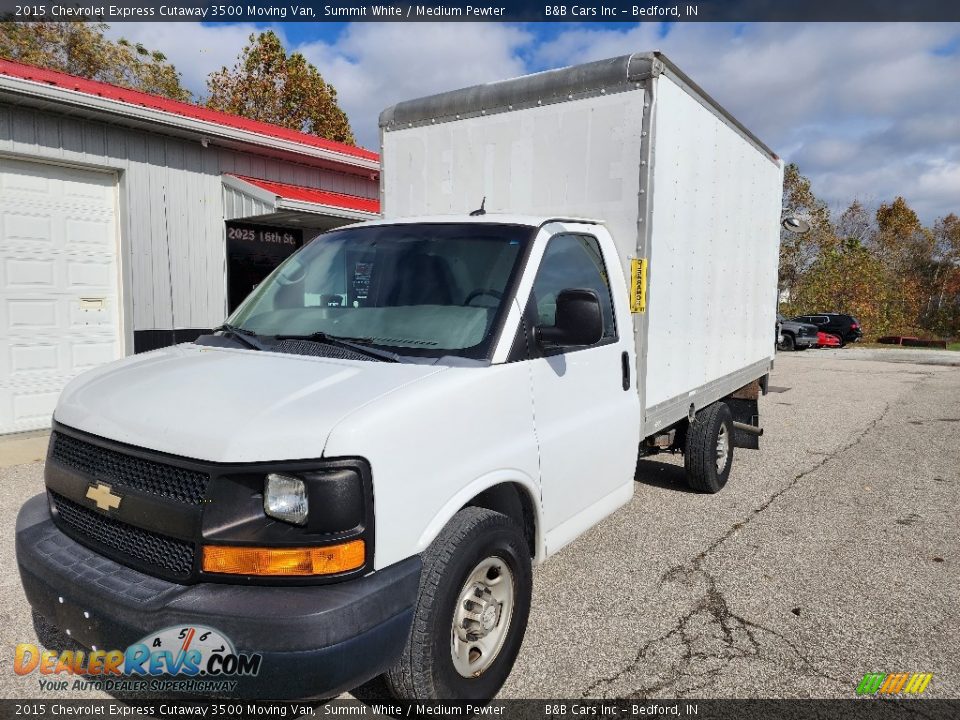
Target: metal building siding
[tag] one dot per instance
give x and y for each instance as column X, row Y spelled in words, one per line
column 172, row 206
column 237, row 204
column 714, row 249
column 276, row 170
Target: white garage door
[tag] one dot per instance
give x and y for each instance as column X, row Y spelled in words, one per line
column 59, row 299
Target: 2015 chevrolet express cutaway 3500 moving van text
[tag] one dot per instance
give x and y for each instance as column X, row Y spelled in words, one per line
column 355, row 474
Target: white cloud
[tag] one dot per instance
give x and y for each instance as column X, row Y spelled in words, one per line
column 196, row 50
column 375, row 65
column 867, row 110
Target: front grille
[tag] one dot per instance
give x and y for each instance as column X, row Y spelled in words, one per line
column 186, row 486
column 156, row 551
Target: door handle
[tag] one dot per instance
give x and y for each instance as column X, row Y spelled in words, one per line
column 625, row 368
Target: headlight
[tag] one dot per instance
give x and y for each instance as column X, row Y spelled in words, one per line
column 285, row 498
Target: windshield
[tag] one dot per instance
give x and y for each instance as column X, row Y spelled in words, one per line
column 415, row 289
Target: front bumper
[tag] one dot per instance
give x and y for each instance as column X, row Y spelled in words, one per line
column 806, row 341
column 315, row 641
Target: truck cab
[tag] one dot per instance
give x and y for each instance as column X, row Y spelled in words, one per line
column 396, row 402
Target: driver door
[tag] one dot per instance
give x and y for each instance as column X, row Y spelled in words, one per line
column 587, row 413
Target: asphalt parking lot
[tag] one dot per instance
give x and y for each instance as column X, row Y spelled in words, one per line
column 832, row 552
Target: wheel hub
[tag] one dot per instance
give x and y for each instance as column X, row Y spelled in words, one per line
column 479, row 613
column 723, row 448
column 489, row 617
column 482, row 617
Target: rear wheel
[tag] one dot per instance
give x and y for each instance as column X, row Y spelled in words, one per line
column 708, row 454
column 840, row 340
column 471, row 613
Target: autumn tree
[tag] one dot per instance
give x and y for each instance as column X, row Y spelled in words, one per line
column 798, row 251
column 905, row 246
column 849, row 278
column 943, row 310
column 81, row 48
column 269, row 85
column 900, row 236
column 888, row 269
column 855, row 223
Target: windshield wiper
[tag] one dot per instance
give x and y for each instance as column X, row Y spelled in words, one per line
column 360, row 345
column 241, row 334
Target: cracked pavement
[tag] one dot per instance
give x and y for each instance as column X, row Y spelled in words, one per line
column 832, row 552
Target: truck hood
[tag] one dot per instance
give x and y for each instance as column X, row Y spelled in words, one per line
column 799, row 328
column 227, row 405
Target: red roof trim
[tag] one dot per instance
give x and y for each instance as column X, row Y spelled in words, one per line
column 312, row 195
column 175, row 107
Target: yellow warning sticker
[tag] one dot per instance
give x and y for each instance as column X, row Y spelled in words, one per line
column 638, row 285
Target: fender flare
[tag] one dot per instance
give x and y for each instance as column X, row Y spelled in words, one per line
column 463, row 496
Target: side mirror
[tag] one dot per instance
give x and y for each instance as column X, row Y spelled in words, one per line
column 579, row 320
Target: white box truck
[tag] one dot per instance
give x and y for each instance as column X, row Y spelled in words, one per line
column 354, row 475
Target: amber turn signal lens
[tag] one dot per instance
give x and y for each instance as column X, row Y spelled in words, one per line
column 278, row 561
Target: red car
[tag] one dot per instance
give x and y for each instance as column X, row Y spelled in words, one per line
column 827, row 340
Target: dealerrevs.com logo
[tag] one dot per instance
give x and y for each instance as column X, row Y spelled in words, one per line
column 192, row 658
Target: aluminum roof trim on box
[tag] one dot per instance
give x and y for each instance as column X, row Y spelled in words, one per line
column 271, row 197
column 619, row 74
column 63, row 89
column 540, row 88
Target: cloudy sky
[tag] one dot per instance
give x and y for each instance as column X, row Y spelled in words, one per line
column 868, row 111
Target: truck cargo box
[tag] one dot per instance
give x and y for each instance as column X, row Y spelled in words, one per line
column 691, row 197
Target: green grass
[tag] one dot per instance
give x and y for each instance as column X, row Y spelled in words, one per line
column 953, row 346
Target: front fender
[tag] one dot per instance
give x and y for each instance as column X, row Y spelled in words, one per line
column 481, row 484
column 436, row 444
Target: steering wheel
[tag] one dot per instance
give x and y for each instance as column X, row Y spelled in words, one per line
column 292, row 276
column 479, row 293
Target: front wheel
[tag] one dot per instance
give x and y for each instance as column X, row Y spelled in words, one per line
column 708, row 454
column 788, row 343
column 471, row 613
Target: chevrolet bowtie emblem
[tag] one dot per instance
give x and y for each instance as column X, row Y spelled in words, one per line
column 103, row 496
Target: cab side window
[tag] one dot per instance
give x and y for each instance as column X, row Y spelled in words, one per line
column 573, row 261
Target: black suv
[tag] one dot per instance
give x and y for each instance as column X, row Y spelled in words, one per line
column 845, row 327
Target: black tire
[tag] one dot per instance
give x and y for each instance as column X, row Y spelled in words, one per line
column 426, row 669
column 788, row 343
column 700, row 455
column 840, row 338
